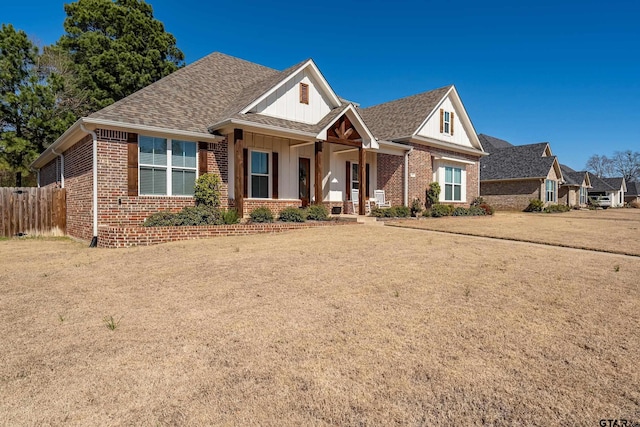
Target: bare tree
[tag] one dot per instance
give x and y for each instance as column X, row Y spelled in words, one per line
column 627, row 164
column 600, row 166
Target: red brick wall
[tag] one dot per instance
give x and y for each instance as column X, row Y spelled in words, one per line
column 78, row 181
column 390, row 178
column 51, row 173
column 510, row 195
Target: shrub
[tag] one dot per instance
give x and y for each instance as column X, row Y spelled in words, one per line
column 433, row 194
column 478, row 201
column 207, row 190
column 199, row 215
column 292, row 215
column 317, row 213
column 261, row 214
column 460, row 211
column 478, row 210
column 635, row 204
column 535, row 205
column 230, row 217
column 488, row 209
column 439, row 210
column 416, row 207
column 556, row 208
column 160, row 219
column 392, row 212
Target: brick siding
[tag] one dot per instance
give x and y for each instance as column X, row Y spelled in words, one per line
column 511, row 195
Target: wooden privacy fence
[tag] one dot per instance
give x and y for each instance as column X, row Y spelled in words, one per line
column 30, row 211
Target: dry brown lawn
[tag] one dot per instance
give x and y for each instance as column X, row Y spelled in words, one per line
column 612, row 230
column 335, row 326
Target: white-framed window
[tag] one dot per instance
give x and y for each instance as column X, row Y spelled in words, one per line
column 550, row 186
column 259, row 174
column 166, row 167
column 453, row 184
column 355, row 176
column 446, row 122
column 583, row 195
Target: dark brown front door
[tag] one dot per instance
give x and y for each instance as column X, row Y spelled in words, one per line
column 304, row 174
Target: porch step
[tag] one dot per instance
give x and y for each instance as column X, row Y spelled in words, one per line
column 361, row 219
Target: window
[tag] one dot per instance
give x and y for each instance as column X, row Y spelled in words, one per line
column 304, row 93
column 166, row 167
column 355, row 177
column 583, row 195
column 259, row 175
column 452, row 184
column 446, row 122
column 550, row 186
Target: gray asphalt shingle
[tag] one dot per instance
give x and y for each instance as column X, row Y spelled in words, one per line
column 516, row 162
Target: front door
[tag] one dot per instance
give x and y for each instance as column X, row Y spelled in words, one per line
column 304, row 187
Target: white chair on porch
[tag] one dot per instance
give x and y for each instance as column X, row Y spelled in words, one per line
column 380, row 199
column 355, row 194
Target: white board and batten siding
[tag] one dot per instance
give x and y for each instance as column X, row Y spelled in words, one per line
column 285, row 102
column 431, row 128
column 335, row 178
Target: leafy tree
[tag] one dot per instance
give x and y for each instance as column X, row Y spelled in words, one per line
column 117, row 47
column 600, row 166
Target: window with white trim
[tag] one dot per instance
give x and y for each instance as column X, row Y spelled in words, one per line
column 259, row 173
column 446, row 122
column 550, row 186
column 355, row 176
column 452, row 184
column 167, row 167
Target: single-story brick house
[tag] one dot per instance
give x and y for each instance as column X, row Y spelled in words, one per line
column 574, row 190
column 512, row 175
column 633, row 192
column 276, row 138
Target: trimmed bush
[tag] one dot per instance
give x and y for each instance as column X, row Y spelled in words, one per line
column 401, row 211
column 416, row 207
column 488, row 209
column 199, row 215
column 317, row 213
column 230, row 217
column 292, row 215
column 392, row 212
column 207, row 190
column 433, row 194
column 439, row 210
column 635, row 204
column 557, row 208
column 160, row 219
column 261, row 214
column 478, row 201
column 535, row 205
column 460, row 211
column 478, row 211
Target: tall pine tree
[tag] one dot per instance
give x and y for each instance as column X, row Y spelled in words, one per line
column 117, row 47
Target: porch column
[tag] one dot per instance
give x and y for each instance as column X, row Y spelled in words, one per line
column 362, row 180
column 238, row 171
column 318, row 174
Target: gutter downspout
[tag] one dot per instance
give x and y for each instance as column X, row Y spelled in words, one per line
column 94, row 240
column 406, row 176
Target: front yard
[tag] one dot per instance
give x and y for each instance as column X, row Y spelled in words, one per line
column 333, row 326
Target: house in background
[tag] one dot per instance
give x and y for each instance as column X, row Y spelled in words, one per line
column 512, row 175
column 574, row 191
column 614, row 188
column 276, row 139
column 633, row 192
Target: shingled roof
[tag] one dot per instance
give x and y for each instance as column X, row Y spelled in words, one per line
column 491, row 143
column 402, row 117
column 195, row 96
column 572, row 177
column 517, row 162
column 633, row 188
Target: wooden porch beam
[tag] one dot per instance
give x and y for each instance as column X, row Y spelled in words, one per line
column 349, row 142
column 318, row 173
column 362, row 180
column 238, row 171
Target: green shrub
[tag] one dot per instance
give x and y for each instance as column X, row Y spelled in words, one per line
column 557, row 208
column 478, row 201
column 317, row 213
column 416, row 207
column 207, row 190
column 439, row 210
column 199, row 215
column 292, row 215
column 460, row 211
column 433, row 194
column 160, row 219
column 230, row 217
column 477, row 211
column 488, row 209
column 401, row 211
column 392, row 212
column 261, row 214
column 535, row 205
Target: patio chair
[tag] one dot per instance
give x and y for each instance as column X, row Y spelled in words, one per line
column 355, row 200
column 380, row 199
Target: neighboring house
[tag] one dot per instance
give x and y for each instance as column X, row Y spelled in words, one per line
column 574, row 191
column 276, row 138
column 612, row 187
column 633, row 192
column 512, row 175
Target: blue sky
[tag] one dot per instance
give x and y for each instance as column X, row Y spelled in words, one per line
column 559, row 71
